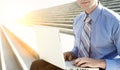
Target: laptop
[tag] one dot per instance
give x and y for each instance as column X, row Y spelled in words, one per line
column 50, row 48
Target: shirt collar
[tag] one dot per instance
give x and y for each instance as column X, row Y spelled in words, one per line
column 94, row 15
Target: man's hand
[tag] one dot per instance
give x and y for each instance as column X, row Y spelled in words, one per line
column 89, row 62
column 68, row 56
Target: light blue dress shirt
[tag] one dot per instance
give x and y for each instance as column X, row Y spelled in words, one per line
column 105, row 36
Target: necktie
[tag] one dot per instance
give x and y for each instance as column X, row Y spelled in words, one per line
column 85, row 38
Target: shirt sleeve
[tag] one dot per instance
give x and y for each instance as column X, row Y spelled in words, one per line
column 114, row 64
column 75, row 48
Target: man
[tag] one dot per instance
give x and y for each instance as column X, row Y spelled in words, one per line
column 97, row 37
column 104, row 43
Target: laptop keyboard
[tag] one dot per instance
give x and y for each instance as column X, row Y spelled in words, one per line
column 83, row 69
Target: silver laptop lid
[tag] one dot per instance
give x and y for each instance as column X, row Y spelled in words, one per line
column 49, row 46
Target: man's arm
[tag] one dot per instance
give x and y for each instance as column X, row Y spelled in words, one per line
column 108, row 64
column 75, row 28
column 114, row 64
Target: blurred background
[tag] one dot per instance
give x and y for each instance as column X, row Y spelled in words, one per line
column 17, row 20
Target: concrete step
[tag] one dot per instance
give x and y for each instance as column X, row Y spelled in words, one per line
column 116, row 9
column 62, row 19
column 24, row 54
column 64, row 30
column 64, row 16
column 22, row 44
column 18, row 57
column 0, row 61
column 118, row 12
column 0, row 51
column 57, row 25
column 69, row 14
column 62, row 22
column 110, row 3
column 114, row 6
column 9, row 60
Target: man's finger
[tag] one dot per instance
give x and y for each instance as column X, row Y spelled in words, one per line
column 78, row 62
column 85, row 65
column 75, row 62
column 65, row 57
column 70, row 58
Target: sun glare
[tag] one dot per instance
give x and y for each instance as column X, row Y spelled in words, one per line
column 11, row 14
column 12, row 10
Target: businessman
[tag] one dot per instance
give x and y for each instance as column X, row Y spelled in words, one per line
column 97, row 38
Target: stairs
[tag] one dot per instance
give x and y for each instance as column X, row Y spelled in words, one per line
column 8, row 57
column 15, row 54
column 62, row 16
